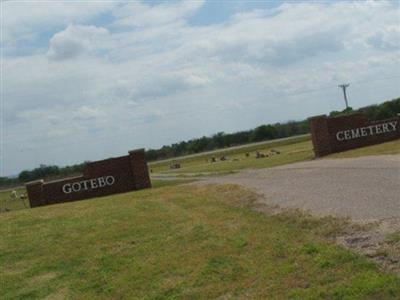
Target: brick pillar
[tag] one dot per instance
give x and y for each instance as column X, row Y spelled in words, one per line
column 320, row 135
column 139, row 168
column 35, row 193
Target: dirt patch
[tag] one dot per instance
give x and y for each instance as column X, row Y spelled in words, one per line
column 375, row 242
column 362, row 190
column 379, row 241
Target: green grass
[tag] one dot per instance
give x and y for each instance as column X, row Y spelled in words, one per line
column 299, row 149
column 10, row 205
column 179, row 242
column 392, row 147
column 163, row 183
column 394, row 237
column 7, row 203
column 294, row 150
column 291, row 151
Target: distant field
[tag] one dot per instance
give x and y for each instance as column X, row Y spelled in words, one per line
column 295, row 150
column 180, row 242
column 7, row 203
column 216, row 152
column 292, row 150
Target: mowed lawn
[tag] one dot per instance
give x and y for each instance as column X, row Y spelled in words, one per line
column 6, row 203
column 292, row 150
column 387, row 148
column 179, row 242
column 295, row 150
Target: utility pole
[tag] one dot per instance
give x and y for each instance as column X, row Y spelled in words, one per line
column 344, row 86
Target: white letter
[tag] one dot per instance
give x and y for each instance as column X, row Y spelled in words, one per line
column 355, row 133
column 378, row 129
column 385, row 127
column 76, row 186
column 101, row 181
column 85, row 184
column 93, row 183
column 66, row 188
column 338, row 137
column 363, row 131
column 393, row 124
column 110, row 180
column 347, row 135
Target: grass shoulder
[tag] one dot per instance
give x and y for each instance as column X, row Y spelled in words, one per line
column 388, row 148
column 180, row 242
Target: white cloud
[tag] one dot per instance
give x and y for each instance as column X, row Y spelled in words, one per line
column 76, row 40
column 148, row 77
column 137, row 14
column 87, row 112
column 386, row 39
column 24, row 21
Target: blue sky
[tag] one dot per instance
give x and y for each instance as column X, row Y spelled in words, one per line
column 88, row 80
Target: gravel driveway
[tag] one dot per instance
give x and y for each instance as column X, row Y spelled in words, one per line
column 366, row 188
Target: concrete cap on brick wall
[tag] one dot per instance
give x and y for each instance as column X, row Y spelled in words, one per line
column 350, row 114
column 136, row 150
column 317, row 117
column 35, row 182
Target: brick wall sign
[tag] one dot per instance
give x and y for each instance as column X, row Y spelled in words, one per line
column 336, row 134
column 100, row 178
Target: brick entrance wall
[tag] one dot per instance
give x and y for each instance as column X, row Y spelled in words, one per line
column 129, row 173
column 336, row 134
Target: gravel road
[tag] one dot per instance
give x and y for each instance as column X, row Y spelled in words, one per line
column 366, row 188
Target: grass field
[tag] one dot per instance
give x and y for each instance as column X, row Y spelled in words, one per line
column 7, row 203
column 11, row 205
column 294, row 150
column 380, row 149
column 179, row 242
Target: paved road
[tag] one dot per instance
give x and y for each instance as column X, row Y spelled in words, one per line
column 366, row 188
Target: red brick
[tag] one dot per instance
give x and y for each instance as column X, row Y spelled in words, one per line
column 130, row 173
column 324, row 129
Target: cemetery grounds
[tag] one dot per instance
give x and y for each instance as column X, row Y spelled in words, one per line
column 186, row 241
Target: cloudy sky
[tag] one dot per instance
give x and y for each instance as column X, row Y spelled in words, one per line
column 86, row 80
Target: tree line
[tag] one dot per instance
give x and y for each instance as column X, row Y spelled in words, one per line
column 264, row 132
column 43, row 171
column 219, row 140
